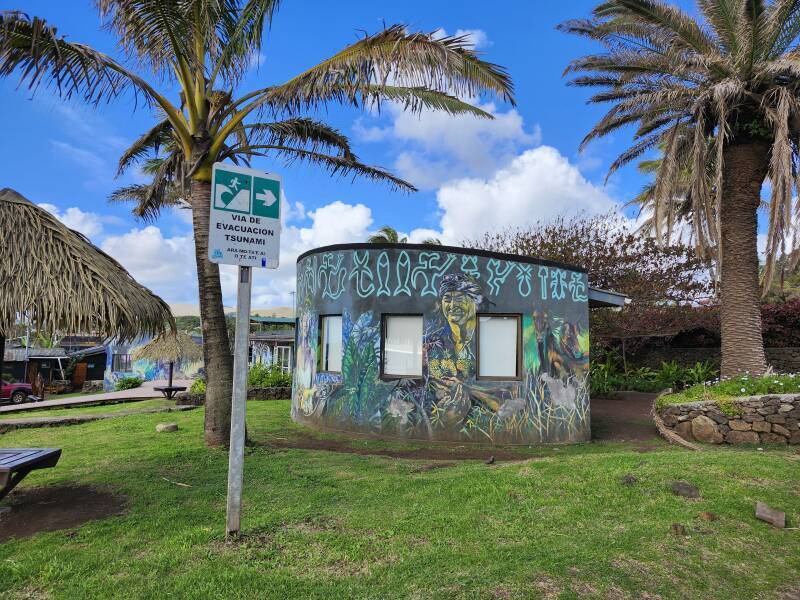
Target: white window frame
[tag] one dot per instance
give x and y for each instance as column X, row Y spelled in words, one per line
column 384, row 329
column 518, row 349
column 322, row 345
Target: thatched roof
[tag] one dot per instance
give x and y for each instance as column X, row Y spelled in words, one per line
column 64, row 282
column 170, row 347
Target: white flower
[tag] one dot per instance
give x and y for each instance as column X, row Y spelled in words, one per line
column 743, row 390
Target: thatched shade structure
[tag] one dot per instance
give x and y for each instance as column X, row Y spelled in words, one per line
column 170, row 347
column 64, row 282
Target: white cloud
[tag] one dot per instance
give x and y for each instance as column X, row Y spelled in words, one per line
column 476, row 37
column 165, row 265
column 537, row 185
column 438, row 147
column 88, row 223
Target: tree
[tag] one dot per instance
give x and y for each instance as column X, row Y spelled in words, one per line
column 203, row 48
column 719, row 88
column 663, row 282
column 614, row 256
column 389, row 235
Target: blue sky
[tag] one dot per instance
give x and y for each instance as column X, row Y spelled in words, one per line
column 474, row 175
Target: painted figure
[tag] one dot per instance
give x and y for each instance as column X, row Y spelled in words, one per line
column 450, row 354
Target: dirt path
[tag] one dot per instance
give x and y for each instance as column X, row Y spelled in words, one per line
column 145, row 391
column 624, row 420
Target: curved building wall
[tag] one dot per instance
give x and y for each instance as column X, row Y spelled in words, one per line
column 547, row 401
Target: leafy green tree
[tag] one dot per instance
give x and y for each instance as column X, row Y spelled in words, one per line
column 203, row 48
column 719, row 91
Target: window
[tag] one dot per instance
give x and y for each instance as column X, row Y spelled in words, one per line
column 283, row 357
column 402, row 346
column 331, row 344
column 121, row 363
column 498, row 346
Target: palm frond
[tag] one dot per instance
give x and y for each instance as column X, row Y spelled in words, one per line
column 336, row 165
column 150, row 142
column 33, row 48
column 392, row 56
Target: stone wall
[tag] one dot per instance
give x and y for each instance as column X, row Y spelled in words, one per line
column 274, row 393
column 773, row 419
column 783, row 360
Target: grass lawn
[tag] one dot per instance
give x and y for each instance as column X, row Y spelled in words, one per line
column 91, row 410
column 334, row 525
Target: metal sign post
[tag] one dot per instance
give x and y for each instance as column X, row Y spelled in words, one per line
column 239, row 403
column 244, row 230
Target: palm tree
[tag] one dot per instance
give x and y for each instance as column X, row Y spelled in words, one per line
column 389, row 235
column 719, row 90
column 203, row 48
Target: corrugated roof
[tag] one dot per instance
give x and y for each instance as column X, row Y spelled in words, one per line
column 18, row 354
column 279, row 335
column 273, row 320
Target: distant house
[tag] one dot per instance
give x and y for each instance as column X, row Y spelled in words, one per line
column 272, row 341
column 90, row 363
column 24, row 364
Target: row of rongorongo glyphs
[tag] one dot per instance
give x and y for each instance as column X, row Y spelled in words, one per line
column 371, row 274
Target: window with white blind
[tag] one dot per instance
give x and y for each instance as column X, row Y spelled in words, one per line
column 402, row 346
column 331, row 360
column 498, row 346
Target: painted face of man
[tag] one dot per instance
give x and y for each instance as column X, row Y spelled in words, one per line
column 458, row 308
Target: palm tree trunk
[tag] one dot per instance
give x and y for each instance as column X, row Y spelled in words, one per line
column 216, row 346
column 744, row 169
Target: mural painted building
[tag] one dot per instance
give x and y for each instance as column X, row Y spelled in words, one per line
column 443, row 343
column 120, row 363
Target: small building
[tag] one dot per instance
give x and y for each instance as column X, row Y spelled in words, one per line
column 89, row 364
column 271, row 342
column 443, row 343
column 26, row 364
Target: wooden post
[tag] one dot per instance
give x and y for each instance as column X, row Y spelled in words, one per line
column 171, row 364
column 239, row 405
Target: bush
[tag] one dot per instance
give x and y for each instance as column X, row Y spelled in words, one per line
column 128, row 383
column 607, row 376
column 266, row 376
column 198, row 386
column 9, row 378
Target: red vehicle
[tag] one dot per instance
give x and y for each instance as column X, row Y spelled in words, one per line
column 16, row 392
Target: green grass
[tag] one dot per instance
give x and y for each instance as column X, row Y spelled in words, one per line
column 332, row 525
column 724, row 391
column 91, row 410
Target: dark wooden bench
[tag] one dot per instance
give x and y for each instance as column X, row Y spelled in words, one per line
column 169, row 391
column 16, row 463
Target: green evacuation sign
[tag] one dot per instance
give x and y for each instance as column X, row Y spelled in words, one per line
column 245, row 227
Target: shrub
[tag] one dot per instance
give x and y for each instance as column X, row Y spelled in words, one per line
column 265, row 376
column 128, row 383
column 198, row 386
column 9, row 378
column 607, row 376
